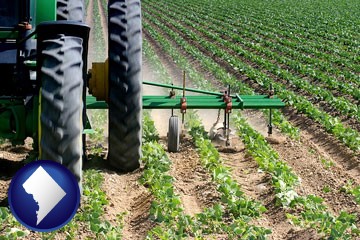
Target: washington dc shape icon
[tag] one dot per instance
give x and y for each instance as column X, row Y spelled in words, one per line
column 44, row 196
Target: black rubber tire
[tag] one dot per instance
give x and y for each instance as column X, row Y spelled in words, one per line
column 61, row 104
column 125, row 97
column 174, row 134
column 72, row 10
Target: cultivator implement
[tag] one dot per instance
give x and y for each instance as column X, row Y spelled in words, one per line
column 203, row 100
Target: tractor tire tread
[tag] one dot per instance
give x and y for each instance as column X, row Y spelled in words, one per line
column 125, row 84
column 61, row 103
column 71, row 10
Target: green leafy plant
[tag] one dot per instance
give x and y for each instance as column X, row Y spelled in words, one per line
column 93, row 208
column 353, row 190
column 149, row 132
column 326, row 189
column 327, row 164
column 9, row 227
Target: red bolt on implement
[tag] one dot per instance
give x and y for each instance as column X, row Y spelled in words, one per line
column 228, row 100
column 183, row 105
column 183, row 99
column 228, row 105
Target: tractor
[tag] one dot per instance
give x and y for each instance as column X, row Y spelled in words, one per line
column 47, row 88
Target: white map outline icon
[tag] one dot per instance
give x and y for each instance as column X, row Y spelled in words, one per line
column 46, row 192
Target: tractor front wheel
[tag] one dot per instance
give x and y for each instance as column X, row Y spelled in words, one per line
column 61, row 103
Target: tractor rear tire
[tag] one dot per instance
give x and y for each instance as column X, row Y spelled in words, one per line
column 71, row 10
column 125, row 97
column 61, row 103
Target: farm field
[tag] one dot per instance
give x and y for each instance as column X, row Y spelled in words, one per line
column 303, row 182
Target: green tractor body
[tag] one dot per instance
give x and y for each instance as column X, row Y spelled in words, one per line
column 19, row 86
column 43, row 67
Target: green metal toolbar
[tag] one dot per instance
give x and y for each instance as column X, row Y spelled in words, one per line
column 210, row 100
column 199, row 102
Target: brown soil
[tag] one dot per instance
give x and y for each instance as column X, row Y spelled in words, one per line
column 11, row 160
column 307, row 161
column 192, row 182
column 127, row 195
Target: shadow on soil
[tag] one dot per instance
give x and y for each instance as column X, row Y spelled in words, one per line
column 8, row 168
column 99, row 162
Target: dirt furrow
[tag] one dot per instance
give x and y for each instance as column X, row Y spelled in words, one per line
column 319, row 173
column 192, row 182
column 257, row 185
column 127, row 196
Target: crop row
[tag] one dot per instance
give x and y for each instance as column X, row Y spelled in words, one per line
column 166, row 208
column 276, row 53
column 282, row 177
column 343, row 48
column 314, row 213
column 99, row 41
column 340, row 104
column 348, row 136
column 258, row 31
column 312, row 18
column 233, row 201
